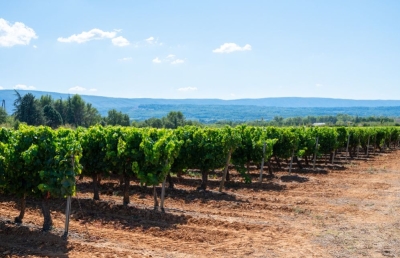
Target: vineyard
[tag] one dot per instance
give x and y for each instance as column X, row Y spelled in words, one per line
column 112, row 165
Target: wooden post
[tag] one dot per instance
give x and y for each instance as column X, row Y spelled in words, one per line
column 228, row 159
column 315, row 154
column 291, row 163
column 163, row 190
column 68, row 207
column 358, row 147
column 67, row 214
column 375, row 144
column 262, row 165
column 368, row 146
column 347, row 148
column 163, row 194
column 333, row 156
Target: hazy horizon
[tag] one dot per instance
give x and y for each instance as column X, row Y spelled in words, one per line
column 90, row 95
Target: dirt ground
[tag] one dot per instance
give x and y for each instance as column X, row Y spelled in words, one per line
column 350, row 209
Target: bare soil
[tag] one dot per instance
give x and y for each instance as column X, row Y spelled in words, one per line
column 350, row 209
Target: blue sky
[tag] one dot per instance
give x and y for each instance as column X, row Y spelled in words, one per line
column 202, row 49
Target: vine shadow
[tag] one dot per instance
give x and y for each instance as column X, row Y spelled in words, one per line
column 29, row 240
column 129, row 217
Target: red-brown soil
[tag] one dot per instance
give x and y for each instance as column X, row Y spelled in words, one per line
column 348, row 210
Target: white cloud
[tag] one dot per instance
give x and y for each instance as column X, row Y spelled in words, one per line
column 156, row 60
column 125, row 59
column 169, row 59
column 23, row 87
column 77, row 88
column 233, row 95
column 178, row 61
column 187, row 89
column 150, row 40
column 118, row 30
column 81, row 89
column 318, row 85
column 34, row 46
column 15, row 34
column 94, row 34
column 231, row 47
column 120, row 41
column 1, row 88
column 153, row 41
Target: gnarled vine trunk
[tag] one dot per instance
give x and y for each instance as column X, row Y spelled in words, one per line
column 48, row 222
column 126, row 190
column 296, row 159
column 270, row 173
column 155, row 197
column 204, row 179
column 22, row 210
column 277, row 162
column 95, row 187
column 170, row 181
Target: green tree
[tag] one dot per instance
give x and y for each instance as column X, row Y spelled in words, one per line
column 3, row 115
column 69, row 113
column 78, row 110
column 174, row 119
column 92, row 116
column 117, row 118
column 153, row 122
column 52, row 117
column 46, row 100
column 61, row 107
column 28, row 109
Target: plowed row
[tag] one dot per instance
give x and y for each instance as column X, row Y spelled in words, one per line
column 347, row 210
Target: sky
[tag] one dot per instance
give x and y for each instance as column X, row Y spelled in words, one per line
column 347, row 49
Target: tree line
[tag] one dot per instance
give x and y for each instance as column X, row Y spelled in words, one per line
column 75, row 112
column 337, row 120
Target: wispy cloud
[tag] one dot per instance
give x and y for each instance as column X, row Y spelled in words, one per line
column 169, row 59
column 318, row 85
column 77, row 88
column 85, row 36
column 1, row 88
column 153, row 41
column 150, row 40
column 15, row 34
column 187, row 89
column 34, row 46
column 23, row 87
column 125, row 59
column 178, row 61
column 120, row 41
column 156, row 60
column 231, row 47
column 81, row 89
column 96, row 34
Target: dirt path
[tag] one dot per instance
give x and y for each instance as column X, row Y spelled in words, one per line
column 347, row 211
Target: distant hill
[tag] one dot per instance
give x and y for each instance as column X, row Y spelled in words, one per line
column 217, row 109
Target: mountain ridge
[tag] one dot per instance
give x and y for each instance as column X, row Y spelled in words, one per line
column 218, row 109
